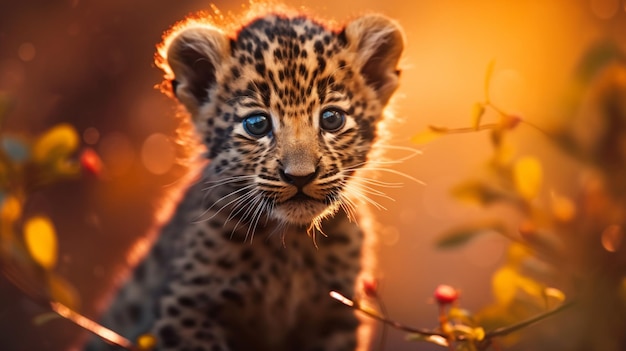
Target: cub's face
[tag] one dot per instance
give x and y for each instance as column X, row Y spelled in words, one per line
column 287, row 108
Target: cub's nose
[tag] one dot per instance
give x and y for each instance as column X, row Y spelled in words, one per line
column 298, row 181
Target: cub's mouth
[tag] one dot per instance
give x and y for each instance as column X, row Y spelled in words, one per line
column 300, row 197
column 300, row 208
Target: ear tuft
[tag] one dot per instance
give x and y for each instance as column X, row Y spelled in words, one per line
column 194, row 56
column 378, row 42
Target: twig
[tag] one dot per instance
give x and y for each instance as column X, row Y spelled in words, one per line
column 523, row 324
column 337, row 296
column 426, row 332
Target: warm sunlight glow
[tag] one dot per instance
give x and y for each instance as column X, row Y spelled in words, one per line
column 157, row 153
column 86, row 323
column 344, row 300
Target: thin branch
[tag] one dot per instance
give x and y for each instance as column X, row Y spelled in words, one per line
column 335, row 295
column 502, row 331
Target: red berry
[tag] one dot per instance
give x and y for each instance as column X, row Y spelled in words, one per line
column 511, row 121
column 445, row 294
column 370, row 287
column 90, row 161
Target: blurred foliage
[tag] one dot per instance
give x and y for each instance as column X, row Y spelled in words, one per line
column 571, row 242
column 28, row 242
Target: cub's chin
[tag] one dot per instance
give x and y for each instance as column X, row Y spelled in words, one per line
column 303, row 211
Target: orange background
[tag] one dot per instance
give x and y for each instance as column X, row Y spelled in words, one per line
column 90, row 63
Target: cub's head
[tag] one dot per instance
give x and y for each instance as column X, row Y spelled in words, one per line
column 286, row 107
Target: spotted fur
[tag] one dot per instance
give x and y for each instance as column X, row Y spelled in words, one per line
column 236, row 267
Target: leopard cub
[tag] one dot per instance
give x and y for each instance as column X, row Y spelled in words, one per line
column 287, row 108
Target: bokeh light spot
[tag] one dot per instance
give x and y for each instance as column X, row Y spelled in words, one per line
column 390, row 235
column 157, row 154
column 26, row 52
column 486, row 250
column 604, row 9
column 91, row 136
column 117, row 153
column 612, row 238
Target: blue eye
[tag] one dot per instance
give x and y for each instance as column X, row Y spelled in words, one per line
column 257, row 125
column 332, row 119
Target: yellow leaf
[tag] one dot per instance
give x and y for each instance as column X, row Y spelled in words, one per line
column 554, row 293
column 41, row 241
column 504, row 283
column 425, row 137
column 61, row 291
column 477, row 113
column 530, row 286
column 146, row 342
column 435, row 339
column 56, row 143
column 562, row 207
column 479, row 333
column 517, row 253
column 11, row 209
column 369, row 310
column 488, row 75
column 528, row 174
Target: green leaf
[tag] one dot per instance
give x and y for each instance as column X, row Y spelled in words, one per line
column 62, row 291
column 462, row 235
column 16, row 148
column 45, row 318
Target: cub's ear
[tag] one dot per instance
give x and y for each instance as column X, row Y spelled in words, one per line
column 194, row 56
column 378, row 42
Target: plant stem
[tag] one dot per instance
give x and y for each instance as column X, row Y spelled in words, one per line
column 523, row 324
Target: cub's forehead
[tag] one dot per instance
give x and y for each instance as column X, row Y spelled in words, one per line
column 283, row 30
column 283, row 40
column 286, row 63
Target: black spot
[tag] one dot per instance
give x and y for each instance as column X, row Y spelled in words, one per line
column 208, row 243
column 233, row 296
column 140, row 273
column 342, row 39
column 260, row 68
column 309, row 261
column 215, row 224
column 318, row 47
column 202, row 335
column 235, row 72
column 225, row 263
column 172, row 311
column 201, row 258
column 245, row 277
column 202, row 280
column 169, row 336
column 188, row 322
column 246, row 254
column 174, row 85
column 186, row 301
column 134, row 312
column 277, row 54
